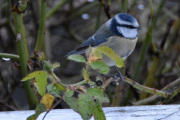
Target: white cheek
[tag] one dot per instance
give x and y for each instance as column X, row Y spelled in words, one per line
column 127, row 32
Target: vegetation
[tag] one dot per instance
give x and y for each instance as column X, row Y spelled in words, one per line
column 42, row 32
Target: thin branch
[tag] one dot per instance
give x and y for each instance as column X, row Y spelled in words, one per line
column 40, row 38
column 178, row 69
column 54, row 9
column 154, row 97
column 7, row 55
column 169, row 25
column 146, row 89
column 106, row 7
column 98, row 16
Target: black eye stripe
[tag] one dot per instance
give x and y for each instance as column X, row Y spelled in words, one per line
column 128, row 26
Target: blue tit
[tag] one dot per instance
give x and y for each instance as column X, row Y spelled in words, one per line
column 120, row 33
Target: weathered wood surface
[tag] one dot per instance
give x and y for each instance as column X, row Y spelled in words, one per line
column 157, row 112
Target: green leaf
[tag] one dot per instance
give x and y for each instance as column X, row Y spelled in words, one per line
column 85, row 106
column 84, row 73
column 71, row 101
column 69, row 93
column 100, row 66
column 33, row 117
column 98, row 54
column 55, row 89
column 39, row 109
column 60, row 87
column 98, row 93
column 40, row 80
column 77, row 58
column 98, row 112
column 110, row 53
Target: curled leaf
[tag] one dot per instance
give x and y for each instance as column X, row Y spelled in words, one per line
column 77, row 58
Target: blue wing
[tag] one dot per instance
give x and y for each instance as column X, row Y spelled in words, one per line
column 101, row 36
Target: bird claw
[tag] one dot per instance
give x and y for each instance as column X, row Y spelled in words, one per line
column 116, row 81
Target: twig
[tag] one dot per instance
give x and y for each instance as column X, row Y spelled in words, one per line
column 55, row 77
column 107, row 82
column 178, row 69
column 98, row 16
column 54, row 9
column 106, row 7
column 154, row 97
column 72, row 88
column 8, row 106
column 169, row 25
column 40, row 38
column 7, row 55
column 146, row 89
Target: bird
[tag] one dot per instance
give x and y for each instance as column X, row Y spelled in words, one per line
column 120, row 33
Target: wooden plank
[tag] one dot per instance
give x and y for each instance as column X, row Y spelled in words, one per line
column 157, row 112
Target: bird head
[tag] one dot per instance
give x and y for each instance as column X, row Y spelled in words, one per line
column 124, row 25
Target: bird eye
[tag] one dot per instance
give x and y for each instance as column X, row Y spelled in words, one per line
column 127, row 26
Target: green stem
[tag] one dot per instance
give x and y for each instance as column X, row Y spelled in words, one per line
column 178, row 69
column 24, row 56
column 81, row 83
column 146, row 89
column 54, row 9
column 154, row 97
column 175, row 92
column 56, row 79
column 87, row 75
column 151, row 79
column 152, row 13
column 7, row 55
column 124, row 5
column 39, row 43
column 99, row 16
column 160, row 7
column 9, row 19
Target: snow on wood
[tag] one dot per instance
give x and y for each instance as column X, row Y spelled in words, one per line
column 157, row 112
